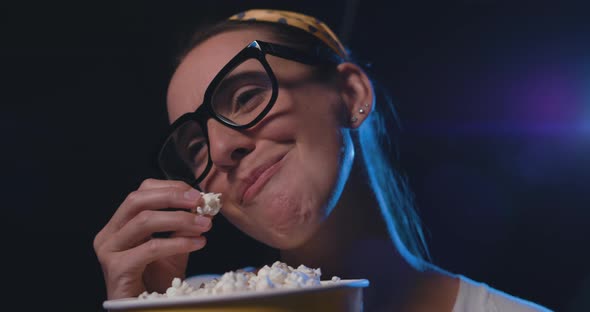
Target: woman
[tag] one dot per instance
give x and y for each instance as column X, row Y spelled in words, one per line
column 269, row 110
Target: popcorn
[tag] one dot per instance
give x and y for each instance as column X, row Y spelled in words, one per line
column 277, row 276
column 179, row 288
column 212, row 204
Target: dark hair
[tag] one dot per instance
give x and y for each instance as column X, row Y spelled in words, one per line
column 374, row 138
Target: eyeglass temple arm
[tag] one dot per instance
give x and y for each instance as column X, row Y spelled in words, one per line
column 319, row 56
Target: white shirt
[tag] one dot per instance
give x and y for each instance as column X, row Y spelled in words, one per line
column 479, row 297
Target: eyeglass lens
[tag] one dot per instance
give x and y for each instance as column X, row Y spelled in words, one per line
column 240, row 97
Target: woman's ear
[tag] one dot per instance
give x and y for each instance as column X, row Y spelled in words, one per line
column 356, row 92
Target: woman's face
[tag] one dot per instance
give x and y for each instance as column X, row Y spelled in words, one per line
column 280, row 178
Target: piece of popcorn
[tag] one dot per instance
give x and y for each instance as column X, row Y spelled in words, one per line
column 176, row 282
column 212, row 204
column 264, row 283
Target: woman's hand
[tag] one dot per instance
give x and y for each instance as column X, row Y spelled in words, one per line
column 134, row 261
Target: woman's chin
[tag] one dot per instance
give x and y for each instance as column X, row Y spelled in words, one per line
column 285, row 220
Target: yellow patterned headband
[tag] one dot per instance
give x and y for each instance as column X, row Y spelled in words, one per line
column 304, row 22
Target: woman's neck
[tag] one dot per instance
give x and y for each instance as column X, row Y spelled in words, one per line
column 355, row 243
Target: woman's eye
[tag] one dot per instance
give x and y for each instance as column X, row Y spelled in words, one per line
column 196, row 150
column 248, row 99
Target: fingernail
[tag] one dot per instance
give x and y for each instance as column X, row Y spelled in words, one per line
column 192, row 194
column 202, row 221
column 198, row 241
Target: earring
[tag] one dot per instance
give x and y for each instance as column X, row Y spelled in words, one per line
column 354, row 119
column 362, row 110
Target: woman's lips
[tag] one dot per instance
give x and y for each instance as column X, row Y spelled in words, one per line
column 263, row 177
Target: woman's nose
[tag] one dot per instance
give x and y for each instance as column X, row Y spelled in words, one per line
column 227, row 146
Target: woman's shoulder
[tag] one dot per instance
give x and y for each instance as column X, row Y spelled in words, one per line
column 479, row 297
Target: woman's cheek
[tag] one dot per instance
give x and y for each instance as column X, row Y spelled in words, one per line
column 211, row 183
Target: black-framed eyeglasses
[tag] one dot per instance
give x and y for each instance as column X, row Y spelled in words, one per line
column 239, row 96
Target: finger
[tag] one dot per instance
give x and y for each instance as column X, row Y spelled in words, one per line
column 179, row 233
column 148, row 222
column 159, row 248
column 185, row 234
column 155, row 183
column 154, row 199
column 99, row 239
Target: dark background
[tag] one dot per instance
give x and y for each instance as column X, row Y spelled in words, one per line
column 494, row 98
